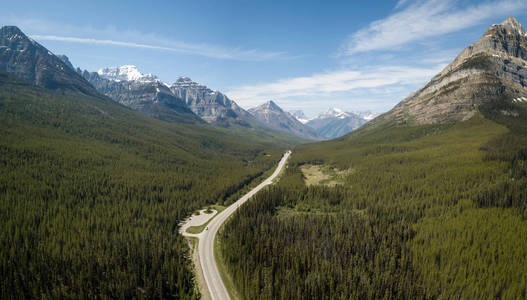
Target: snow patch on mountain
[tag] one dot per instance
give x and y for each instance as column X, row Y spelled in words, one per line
column 300, row 116
column 126, row 73
column 333, row 113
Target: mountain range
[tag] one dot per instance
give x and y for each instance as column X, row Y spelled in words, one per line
column 153, row 97
column 144, row 93
column 334, row 122
column 185, row 101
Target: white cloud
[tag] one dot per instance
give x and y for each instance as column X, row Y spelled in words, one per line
column 400, row 3
column 178, row 47
column 48, row 30
column 425, row 19
column 332, row 85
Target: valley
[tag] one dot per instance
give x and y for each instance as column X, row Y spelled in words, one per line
column 123, row 178
column 435, row 206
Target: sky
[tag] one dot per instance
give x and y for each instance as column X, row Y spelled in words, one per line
column 307, row 55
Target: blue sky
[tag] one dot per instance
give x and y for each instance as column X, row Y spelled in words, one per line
column 309, row 55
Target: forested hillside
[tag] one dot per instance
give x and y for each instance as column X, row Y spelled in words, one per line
column 91, row 193
column 428, row 211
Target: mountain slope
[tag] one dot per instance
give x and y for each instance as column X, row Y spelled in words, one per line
column 92, row 192
column 492, row 69
column 30, row 61
column 275, row 118
column 212, row 106
column 335, row 123
column 428, row 201
column 93, row 189
column 144, row 93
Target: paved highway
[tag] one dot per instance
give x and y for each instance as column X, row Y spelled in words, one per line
column 206, row 238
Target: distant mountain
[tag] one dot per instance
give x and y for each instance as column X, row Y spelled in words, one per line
column 28, row 60
column 299, row 115
column 366, row 115
column 212, row 106
column 142, row 92
column 335, row 122
column 275, row 118
column 490, row 71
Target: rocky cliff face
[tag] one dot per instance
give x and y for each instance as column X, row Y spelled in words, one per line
column 32, row 62
column 492, row 69
column 141, row 92
column 275, row 118
column 212, row 106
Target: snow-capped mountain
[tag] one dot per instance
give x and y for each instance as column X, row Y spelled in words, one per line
column 142, row 92
column 275, row 118
column 333, row 113
column 335, row 122
column 148, row 94
column 125, row 73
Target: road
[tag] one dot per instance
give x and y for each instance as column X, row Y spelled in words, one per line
column 206, row 238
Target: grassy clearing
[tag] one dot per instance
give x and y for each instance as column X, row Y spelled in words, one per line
column 323, row 175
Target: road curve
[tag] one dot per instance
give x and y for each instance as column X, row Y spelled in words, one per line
column 206, row 238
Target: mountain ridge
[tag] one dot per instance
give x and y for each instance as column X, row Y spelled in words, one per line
column 491, row 69
column 27, row 59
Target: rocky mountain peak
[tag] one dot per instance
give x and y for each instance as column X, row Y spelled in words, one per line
column 513, row 24
column 271, row 105
column 186, row 82
column 492, row 69
column 211, row 106
column 275, row 118
column 32, row 62
column 11, row 31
